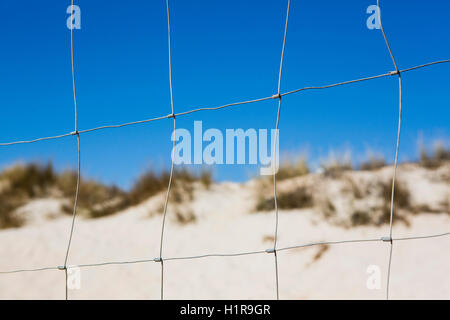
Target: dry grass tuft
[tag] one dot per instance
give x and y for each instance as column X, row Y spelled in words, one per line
column 373, row 163
column 297, row 199
column 21, row 183
column 401, row 204
column 185, row 217
column 151, row 183
column 95, row 200
column 292, row 169
column 439, row 156
column 335, row 165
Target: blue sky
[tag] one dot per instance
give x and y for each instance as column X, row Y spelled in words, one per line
column 223, row 51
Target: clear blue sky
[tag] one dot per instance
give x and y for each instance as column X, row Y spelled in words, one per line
column 223, row 51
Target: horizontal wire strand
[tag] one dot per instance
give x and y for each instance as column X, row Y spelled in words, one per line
column 224, row 255
column 222, row 106
column 394, row 175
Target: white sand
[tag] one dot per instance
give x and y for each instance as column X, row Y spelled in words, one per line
column 420, row 268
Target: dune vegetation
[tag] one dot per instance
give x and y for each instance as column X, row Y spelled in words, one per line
column 349, row 196
column 341, row 192
column 22, row 183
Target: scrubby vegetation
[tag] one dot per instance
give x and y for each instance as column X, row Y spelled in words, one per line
column 151, row 183
column 372, row 163
column 297, row 199
column 17, row 185
column 347, row 205
column 347, row 198
column 95, row 200
column 439, row 156
column 287, row 170
column 334, row 165
column 382, row 214
column 22, row 183
column 333, row 190
column 290, row 169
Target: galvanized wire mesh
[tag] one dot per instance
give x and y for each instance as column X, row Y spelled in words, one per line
column 278, row 96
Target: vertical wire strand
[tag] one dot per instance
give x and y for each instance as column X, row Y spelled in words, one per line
column 166, row 203
column 77, row 191
column 284, row 45
column 385, row 38
column 66, row 276
column 78, row 152
column 396, row 153
column 76, row 133
column 388, row 280
column 275, row 153
column 391, row 218
column 73, row 68
column 274, row 166
column 393, row 186
column 170, row 55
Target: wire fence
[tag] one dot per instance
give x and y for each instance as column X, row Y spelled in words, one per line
column 278, row 96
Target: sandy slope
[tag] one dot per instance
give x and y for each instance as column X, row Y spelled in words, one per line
column 224, row 225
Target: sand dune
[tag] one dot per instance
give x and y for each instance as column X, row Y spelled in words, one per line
column 226, row 223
